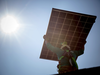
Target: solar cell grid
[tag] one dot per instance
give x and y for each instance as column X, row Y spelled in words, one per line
column 67, row 21
column 76, row 17
column 91, row 20
column 67, row 26
column 62, row 15
column 70, row 16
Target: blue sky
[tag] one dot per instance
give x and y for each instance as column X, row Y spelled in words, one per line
column 20, row 52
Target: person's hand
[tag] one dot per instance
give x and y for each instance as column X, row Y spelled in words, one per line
column 44, row 36
column 85, row 42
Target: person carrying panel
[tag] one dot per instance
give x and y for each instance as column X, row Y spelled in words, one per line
column 66, row 56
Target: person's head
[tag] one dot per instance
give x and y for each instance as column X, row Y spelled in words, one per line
column 65, row 46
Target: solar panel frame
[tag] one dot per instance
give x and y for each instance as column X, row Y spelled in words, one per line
column 67, row 26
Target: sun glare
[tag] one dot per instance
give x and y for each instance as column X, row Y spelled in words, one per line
column 9, row 24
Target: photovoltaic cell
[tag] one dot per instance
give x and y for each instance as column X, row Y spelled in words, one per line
column 68, row 26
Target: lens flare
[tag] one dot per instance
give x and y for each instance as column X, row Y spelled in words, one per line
column 9, row 24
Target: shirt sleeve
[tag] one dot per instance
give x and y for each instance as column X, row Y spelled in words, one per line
column 54, row 49
column 79, row 52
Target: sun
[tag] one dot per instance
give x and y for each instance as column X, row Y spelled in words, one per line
column 9, row 24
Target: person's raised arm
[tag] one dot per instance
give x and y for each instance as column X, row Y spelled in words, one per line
column 80, row 52
column 49, row 46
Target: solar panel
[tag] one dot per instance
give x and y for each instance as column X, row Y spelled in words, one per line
column 68, row 26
